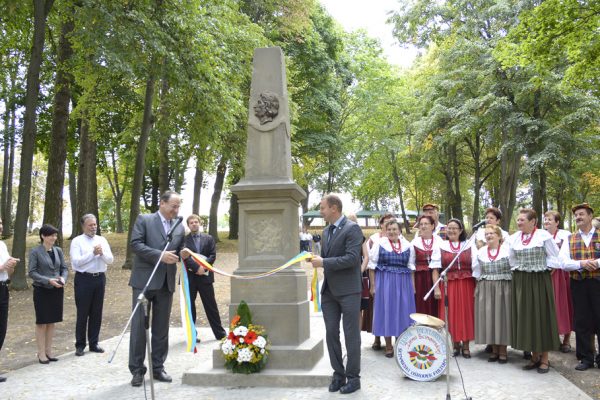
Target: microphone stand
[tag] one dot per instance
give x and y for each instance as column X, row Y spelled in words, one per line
column 443, row 275
column 142, row 300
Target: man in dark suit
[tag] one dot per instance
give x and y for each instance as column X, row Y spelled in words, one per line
column 148, row 239
column 340, row 294
column 201, row 280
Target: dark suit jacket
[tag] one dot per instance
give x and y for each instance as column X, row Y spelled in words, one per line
column 207, row 248
column 42, row 269
column 148, row 239
column 341, row 259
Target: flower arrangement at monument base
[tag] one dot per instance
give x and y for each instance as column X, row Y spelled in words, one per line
column 246, row 347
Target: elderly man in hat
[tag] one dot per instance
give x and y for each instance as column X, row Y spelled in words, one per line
column 582, row 258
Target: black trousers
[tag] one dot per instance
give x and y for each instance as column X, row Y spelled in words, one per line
column 586, row 303
column 3, row 311
column 207, row 296
column 89, row 300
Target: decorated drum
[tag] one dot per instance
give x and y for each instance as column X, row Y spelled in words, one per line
column 420, row 352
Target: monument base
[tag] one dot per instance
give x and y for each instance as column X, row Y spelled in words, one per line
column 287, row 367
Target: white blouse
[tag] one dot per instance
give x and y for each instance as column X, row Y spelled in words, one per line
column 374, row 251
column 541, row 238
column 445, row 246
column 436, row 254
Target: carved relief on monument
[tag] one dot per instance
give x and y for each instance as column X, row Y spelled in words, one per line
column 264, row 233
column 266, row 107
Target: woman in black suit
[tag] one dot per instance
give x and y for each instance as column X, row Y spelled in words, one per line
column 49, row 272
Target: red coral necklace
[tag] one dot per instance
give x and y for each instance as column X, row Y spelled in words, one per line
column 526, row 241
column 397, row 247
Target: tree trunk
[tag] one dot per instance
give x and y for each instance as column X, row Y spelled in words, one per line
column 41, row 9
column 457, row 211
column 398, row 185
column 55, row 180
column 234, row 217
column 116, row 190
column 140, row 161
column 510, row 163
column 4, row 209
column 87, row 201
column 73, row 193
column 234, row 210
column 216, row 197
column 163, row 140
column 198, row 181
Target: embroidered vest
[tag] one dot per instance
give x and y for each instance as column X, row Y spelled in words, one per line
column 580, row 252
column 496, row 270
column 390, row 261
column 532, row 259
column 461, row 269
column 422, row 259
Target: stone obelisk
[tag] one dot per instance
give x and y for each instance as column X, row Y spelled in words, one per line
column 268, row 230
column 269, row 200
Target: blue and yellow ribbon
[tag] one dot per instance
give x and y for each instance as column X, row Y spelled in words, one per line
column 186, row 312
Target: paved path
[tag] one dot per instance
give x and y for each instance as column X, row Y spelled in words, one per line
column 92, row 377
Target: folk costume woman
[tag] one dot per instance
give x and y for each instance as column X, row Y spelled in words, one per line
column 423, row 260
column 394, row 287
column 493, row 294
column 534, row 327
column 561, row 282
column 461, row 287
column 367, row 314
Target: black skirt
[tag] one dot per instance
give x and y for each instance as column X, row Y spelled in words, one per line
column 48, row 305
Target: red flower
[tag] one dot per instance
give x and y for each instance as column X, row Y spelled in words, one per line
column 250, row 337
column 234, row 339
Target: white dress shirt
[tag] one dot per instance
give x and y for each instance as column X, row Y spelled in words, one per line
column 4, row 256
column 82, row 254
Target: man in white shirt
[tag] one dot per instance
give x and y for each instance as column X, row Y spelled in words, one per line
column 7, row 267
column 90, row 254
column 581, row 255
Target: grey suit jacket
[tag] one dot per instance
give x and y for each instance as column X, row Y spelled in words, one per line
column 148, row 239
column 341, row 259
column 42, row 269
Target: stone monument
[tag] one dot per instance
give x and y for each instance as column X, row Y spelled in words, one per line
column 269, row 236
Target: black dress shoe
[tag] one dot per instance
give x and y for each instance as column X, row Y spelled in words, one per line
column 162, row 376
column 336, row 384
column 96, row 349
column 51, row 358
column 2, row 379
column 352, row 386
column 583, row 366
column 79, row 351
column 137, row 380
column 44, row 361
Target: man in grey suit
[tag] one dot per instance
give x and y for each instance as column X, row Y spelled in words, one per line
column 148, row 239
column 340, row 294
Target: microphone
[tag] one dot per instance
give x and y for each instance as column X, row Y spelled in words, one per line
column 479, row 224
column 175, row 225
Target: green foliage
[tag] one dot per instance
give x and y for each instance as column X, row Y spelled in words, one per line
column 244, row 312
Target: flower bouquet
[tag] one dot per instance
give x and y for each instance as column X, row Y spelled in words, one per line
column 245, row 348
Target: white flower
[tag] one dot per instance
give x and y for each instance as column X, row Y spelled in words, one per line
column 227, row 347
column 242, row 340
column 244, row 355
column 240, row 331
column 262, row 351
column 260, row 342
